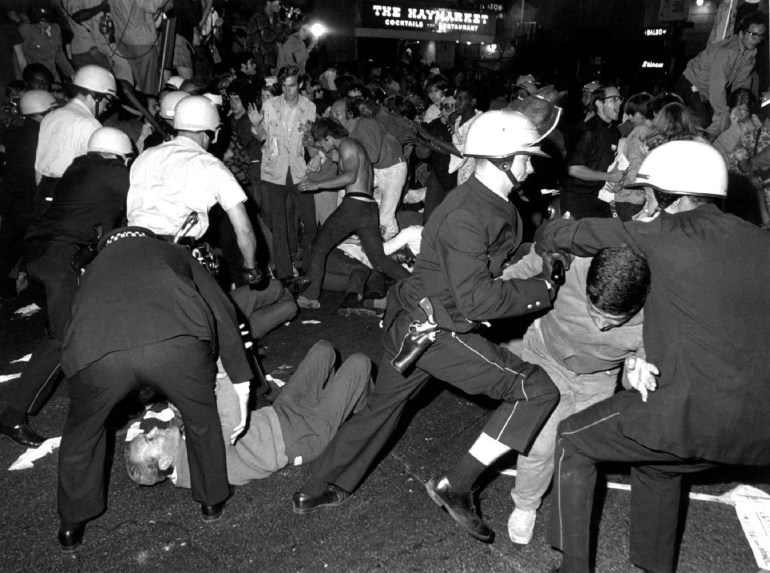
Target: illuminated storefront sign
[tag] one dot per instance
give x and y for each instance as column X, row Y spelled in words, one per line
column 653, row 32
column 652, row 65
column 439, row 20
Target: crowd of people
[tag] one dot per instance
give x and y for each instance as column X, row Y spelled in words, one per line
column 203, row 181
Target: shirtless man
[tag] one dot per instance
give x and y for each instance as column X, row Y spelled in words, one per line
column 356, row 214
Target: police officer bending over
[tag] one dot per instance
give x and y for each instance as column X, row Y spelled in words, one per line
column 124, row 333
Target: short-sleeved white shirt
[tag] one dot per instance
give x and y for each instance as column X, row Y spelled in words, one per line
column 174, row 178
column 64, row 135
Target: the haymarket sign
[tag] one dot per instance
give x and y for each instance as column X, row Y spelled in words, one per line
column 438, row 20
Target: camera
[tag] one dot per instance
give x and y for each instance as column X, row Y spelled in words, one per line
column 287, row 13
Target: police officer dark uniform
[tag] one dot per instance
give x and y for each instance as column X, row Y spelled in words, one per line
column 91, row 194
column 465, row 243
column 146, row 313
column 705, row 330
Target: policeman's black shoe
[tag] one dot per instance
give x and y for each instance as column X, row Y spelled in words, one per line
column 296, row 284
column 22, row 434
column 331, row 497
column 212, row 513
column 460, row 506
column 71, row 535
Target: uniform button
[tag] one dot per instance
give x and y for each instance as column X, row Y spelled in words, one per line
column 537, row 303
column 529, row 306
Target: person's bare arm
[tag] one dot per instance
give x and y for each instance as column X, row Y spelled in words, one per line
column 244, row 233
column 588, row 174
column 348, row 171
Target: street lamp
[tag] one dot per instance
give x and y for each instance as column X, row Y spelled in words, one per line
column 318, row 30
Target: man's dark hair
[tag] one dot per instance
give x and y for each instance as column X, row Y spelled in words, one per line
column 327, row 126
column 437, row 81
column 31, row 70
column 659, row 102
column 749, row 20
column 470, row 89
column 287, row 72
column 638, row 103
column 600, row 93
column 618, row 281
column 245, row 90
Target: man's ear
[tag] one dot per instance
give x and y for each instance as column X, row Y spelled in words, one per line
column 165, row 462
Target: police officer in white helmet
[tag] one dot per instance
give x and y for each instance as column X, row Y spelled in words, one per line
column 89, row 200
column 170, row 181
column 430, row 331
column 64, row 133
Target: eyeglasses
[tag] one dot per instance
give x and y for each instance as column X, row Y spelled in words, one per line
column 756, row 35
column 618, row 99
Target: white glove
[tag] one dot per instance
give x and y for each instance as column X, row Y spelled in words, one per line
column 640, row 375
column 242, row 390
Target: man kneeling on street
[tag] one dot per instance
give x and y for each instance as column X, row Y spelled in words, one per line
column 294, row 430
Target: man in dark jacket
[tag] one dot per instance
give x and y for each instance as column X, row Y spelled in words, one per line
column 90, row 195
column 146, row 313
column 705, row 332
column 467, row 240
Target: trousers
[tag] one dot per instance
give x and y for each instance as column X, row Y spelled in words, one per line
column 595, row 435
column 468, row 362
column 184, row 369
column 352, row 216
column 578, row 391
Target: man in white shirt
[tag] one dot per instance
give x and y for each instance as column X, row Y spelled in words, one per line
column 64, row 133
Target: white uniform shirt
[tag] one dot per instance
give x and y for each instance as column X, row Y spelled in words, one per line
column 64, row 135
column 174, row 178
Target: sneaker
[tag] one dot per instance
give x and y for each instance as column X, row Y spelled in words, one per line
column 305, row 302
column 352, row 305
column 460, row 506
column 521, row 524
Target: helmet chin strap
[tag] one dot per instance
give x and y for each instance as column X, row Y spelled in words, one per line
column 505, row 167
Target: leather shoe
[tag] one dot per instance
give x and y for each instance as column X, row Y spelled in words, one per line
column 71, row 535
column 297, row 284
column 331, row 497
column 212, row 513
column 460, row 506
column 22, row 434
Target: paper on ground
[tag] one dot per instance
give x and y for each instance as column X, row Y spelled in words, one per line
column 8, row 377
column 24, row 358
column 24, row 461
column 28, row 310
column 751, row 504
column 277, row 381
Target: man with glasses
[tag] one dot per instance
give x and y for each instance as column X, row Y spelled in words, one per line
column 594, row 152
column 721, row 68
column 283, row 167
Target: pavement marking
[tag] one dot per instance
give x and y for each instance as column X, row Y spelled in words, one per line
column 24, row 358
column 9, row 377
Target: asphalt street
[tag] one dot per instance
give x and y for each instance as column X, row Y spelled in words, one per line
column 390, row 524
